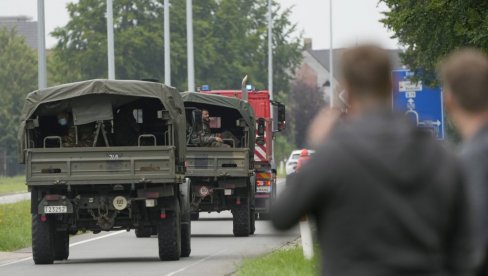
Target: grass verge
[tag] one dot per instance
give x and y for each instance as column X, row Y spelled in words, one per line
column 288, row 261
column 15, row 226
column 9, row 185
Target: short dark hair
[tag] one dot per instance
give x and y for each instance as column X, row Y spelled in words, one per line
column 464, row 74
column 367, row 71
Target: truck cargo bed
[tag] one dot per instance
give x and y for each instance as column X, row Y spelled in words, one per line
column 101, row 165
column 220, row 162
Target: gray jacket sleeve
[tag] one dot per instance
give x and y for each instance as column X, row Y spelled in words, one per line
column 464, row 253
column 306, row 190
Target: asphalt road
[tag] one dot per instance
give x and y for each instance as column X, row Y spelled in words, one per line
column 215, row 251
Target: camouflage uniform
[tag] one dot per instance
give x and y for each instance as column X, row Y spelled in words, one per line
column 205, row 138
column 85, row 136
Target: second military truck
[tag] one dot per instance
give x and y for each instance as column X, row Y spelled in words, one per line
column 221, row 170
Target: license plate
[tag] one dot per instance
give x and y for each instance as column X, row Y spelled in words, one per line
column 55, row 209
column 265, row 189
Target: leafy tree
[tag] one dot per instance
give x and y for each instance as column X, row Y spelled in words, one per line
column 431, row 29
column 304, row 103
column 230, row 40
column 18, row 76
column 81, row 52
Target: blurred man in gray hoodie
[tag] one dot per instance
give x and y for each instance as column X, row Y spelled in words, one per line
column 464, row 76
column 387, row 198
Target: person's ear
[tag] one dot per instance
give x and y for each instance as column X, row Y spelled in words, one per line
column 449, row 101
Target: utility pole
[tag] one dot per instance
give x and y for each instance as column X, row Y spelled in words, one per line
column 110, row 40
column 41, row 45
column 270, row 50
column 331, row 59
column 189, row 40
column 167, row 55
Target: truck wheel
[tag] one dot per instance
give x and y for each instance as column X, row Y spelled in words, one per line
column 42, row 240
column 241, row 217
column 169, row 235
column 61, row 245
column 195, row 215
column 143, row 232
column 253, row 222
column 185, row 238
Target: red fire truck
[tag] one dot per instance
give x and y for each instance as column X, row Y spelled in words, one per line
column 265, row 128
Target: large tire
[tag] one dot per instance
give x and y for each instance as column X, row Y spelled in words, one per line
column 42, row 240
column 169, row 235
column 61, row 245
column 253, row 222
column 195, row 215
column 144, row 232
column 241, row 217
column 185, row 238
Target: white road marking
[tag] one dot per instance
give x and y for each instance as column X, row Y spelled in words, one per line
column 195, row 263
column 97, row 238
column 18, row 261
column 71, row 245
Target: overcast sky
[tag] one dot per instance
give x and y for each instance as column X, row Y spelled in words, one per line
column 353, row 20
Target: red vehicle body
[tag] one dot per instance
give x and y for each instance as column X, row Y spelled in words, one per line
column 263, row 154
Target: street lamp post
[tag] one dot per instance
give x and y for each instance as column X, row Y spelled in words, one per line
column 331, row 59
column 167, row 56
column 41, row 45
column 110, row 40
column 270, row 50
column 189, row 39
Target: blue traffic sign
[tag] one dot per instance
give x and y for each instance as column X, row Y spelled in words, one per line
column 420, row 103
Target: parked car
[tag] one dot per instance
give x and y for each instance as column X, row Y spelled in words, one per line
column 291, row 163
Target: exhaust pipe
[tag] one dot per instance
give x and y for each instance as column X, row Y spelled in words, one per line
column 244, row 89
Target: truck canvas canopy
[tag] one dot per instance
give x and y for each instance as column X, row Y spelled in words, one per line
column 244, row 109
column 95, row 100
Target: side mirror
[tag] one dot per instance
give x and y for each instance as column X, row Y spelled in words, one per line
column 261, row 126
column 164, row 115
column 279, row 116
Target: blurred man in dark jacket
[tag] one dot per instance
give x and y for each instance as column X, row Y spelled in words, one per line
column 387, row 198
column 465, row 81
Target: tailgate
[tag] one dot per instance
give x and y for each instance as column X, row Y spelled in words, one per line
column 210, row 162
column 100, row 165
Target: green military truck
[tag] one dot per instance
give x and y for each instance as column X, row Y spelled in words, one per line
column 222, row 178
column 105, row 155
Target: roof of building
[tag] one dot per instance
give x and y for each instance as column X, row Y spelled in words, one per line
column 322, row 56
column 23, row 26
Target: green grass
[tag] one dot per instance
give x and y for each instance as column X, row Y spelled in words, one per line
column 9, row 185
column 15, row 226
column 281, row 262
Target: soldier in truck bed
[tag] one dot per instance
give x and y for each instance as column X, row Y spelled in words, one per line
column 205, row 138
column 85, row 132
